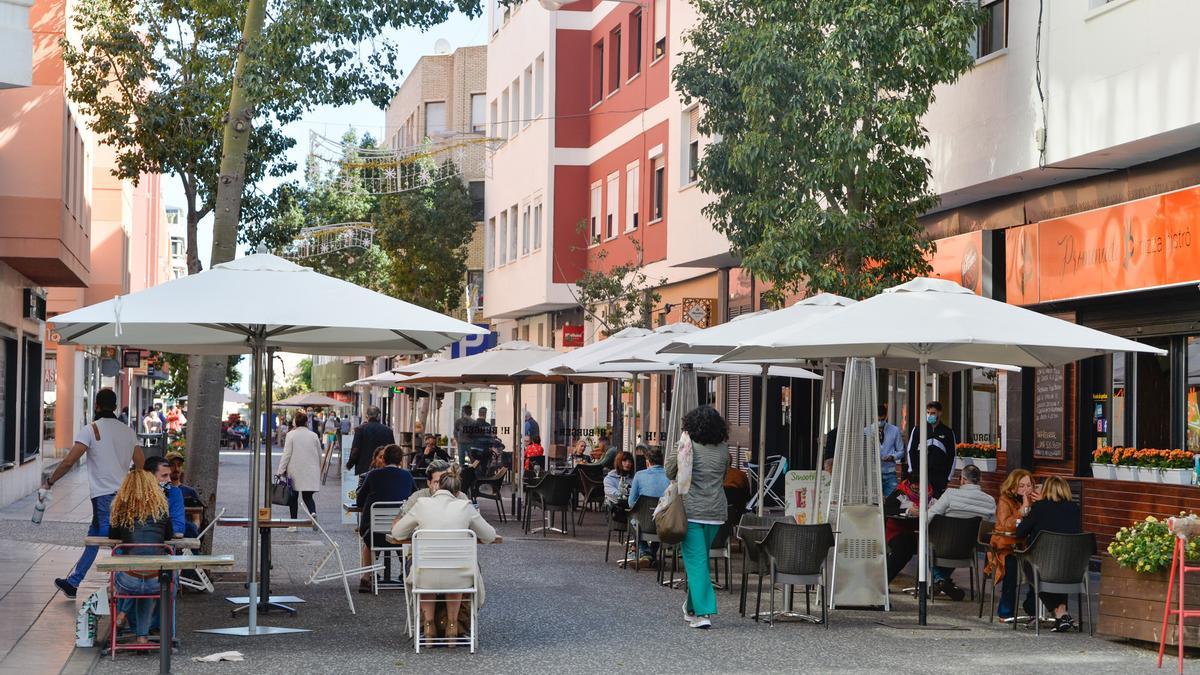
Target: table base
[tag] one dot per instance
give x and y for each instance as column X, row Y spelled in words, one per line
column 784, row 615
column 246, row 631
column 273, row 602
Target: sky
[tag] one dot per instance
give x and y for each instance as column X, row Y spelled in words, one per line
column 332, row 121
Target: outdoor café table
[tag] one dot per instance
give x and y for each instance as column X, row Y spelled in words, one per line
column 266, row 600
column 177, row 542
column 165, row 565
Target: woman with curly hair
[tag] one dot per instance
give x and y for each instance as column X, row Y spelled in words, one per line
column 705, row 506
column 139, row 515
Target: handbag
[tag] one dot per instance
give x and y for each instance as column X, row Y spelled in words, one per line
column 282, row 490
column 670, row 517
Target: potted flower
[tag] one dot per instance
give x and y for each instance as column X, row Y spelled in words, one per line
column 1124, row 464
column 982, row 455
column 1134, row 578
column 1178, row 467
column 1102, row 466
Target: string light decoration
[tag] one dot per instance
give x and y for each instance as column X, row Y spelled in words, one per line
column 387, row 170
column 324, row 239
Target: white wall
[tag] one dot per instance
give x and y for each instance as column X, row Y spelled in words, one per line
column 1121, row 84
column 16, row 44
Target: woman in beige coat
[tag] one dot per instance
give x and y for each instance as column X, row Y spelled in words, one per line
column 444, row 511
column 302, row 463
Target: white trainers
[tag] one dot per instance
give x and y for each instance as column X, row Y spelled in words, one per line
column 701, row 622
column 687, row 616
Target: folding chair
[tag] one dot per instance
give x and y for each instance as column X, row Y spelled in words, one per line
column 776, row 467
column 201, row 583
column 443, row 550
column 335, row 552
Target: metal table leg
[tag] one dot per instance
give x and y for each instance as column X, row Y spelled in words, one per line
column 166, row 627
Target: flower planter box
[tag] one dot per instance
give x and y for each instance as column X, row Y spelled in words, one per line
column 1147, row 474
column 1176, row 476
column 1126, row 472
column 984, row 464
column 1131, row 605
column 1104, row 471
column 960, row 462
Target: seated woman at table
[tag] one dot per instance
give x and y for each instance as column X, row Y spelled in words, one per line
column 617, row 482
column 139, row 515
column 445, row 511
column 377, row 462
column 1052, row 509
column 1016, row 493
column 533, row 448
column 900, row 530
column 389, row 483
column 436, row 469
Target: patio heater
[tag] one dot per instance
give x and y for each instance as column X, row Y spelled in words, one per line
column 854, row 504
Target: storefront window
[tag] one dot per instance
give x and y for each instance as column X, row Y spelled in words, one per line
column 1153, row 388
column 1192, row 395
column 49, row 397
column 983, row 424
column 1116, row 421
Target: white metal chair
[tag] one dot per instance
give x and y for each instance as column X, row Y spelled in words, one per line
column 383, row 514
column 335, row 553
column 776, row 467
column 443, row 550
column 201, row 582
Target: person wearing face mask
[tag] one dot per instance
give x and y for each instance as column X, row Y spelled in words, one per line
column 160, row 467
column 940, row 444
column 891, row 449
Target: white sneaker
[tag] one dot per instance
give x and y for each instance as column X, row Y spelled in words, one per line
column 687, row 616
column 701, row 622
column 292, row 529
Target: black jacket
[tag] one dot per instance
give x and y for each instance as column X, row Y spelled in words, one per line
column 145, row 532
column 941, row 442
column 385, row 484
column 367, row 437
column 1047, row 516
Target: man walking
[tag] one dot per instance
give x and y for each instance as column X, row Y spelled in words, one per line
column 531, row 427
column 891, row 450
column 463, row 432
column 370, row 435
column 111, row 447
column 940, row 444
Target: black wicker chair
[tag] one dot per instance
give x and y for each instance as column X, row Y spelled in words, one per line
column 983, row 547
column 795, row 555
column 555, row 494
column 618, row 522
column 720, row 551
column 489, row 489
column 644, row 530
column 751, row 531
column 952, row 543
column 1059, row 564
column 591, row 487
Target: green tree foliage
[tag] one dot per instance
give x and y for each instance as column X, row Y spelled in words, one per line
column 817, row 109
column 176, row 384
column 619, row 297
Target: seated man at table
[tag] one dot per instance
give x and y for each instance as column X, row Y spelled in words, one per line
column 427, row 454
column 966, row 501
column 435, row 470
column 389, row 483
column 160, row 468
column 649, row 482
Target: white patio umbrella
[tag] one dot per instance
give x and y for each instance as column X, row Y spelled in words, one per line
column 311, row 398
column 235, row 308
column 927, row 318
column 231, row 396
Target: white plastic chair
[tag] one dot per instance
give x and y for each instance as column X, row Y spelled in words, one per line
column 443, row 550
column 335, row 553
column 201, row 582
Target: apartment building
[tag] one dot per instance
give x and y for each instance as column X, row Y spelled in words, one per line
column 177, row 231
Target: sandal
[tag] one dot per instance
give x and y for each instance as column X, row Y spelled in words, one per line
column 451, row 633
column 430, row 630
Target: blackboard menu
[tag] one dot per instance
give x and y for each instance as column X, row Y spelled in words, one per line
column 1049, row 405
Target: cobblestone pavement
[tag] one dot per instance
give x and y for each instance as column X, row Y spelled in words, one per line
column 554, row 605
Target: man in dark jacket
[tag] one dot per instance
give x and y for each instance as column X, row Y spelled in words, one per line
column 940, row 443
column 370, row 435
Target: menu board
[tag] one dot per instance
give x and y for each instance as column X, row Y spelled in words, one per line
column 1049, row 405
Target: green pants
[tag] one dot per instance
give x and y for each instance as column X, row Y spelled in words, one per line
column 701, row 600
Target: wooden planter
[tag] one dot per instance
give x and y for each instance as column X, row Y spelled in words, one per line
column 1131, row 605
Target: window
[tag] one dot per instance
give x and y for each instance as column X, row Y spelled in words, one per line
column 494, row 116
column 502, row 238
column 525, row 231
column 489, row 244
column 635, row 42
column 528, row 106
column 477, row 119
column 598, row 72
column 32, row 402
column 992, row 35
column 435, row 118
column 515, row 121
column 178, row 247
column 610, row 214
column 657, row 194
column 614, row 60
column 475, row 188
column 539, row 85
column 632, row 194
column 691, row 145
column 660, row 28
column 512, row 233
column 594, row 213
column 8, row 402
column 504, row 114
column 537, row 226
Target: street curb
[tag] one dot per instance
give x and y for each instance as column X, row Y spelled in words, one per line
column 82, row 661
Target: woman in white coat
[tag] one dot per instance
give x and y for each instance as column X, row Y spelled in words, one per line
column 445, row 511
column 302, row 463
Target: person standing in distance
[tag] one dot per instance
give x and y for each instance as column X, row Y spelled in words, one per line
column 369, row 435
column 463, row 434
column 111, row 447
column 940, row 444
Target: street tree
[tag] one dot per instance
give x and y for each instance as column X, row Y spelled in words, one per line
column 816, row 110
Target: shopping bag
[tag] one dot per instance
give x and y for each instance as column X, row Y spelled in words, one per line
column 670, row 518
column 281, row 490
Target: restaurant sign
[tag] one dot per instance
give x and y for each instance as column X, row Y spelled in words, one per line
column 572, row 336
column 959, row 259
column 1140, row 244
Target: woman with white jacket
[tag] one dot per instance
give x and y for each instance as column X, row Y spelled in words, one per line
column 302, row 463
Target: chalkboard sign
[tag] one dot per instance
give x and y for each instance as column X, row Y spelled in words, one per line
column 1049, row 405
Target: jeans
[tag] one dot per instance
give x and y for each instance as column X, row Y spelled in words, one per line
column 140, row 611
column 1008, row 591
column 294, row 502
column 889, row 483
column 701, row 600
column 98, row 528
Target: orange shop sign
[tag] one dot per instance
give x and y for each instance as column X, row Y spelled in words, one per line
column 959, row 259
column 1145, row 243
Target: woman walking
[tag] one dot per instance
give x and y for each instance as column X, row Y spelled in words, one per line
column 302, row 463
column 705, row 506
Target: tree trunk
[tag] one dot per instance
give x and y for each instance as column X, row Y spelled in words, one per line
column 193, row 226
column 207, row 375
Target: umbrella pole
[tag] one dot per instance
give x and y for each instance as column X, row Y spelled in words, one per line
column 518, row 452
column 268, row 394
column 822, row 423
column 256, row 353
column 762, row 435
column 922, row 525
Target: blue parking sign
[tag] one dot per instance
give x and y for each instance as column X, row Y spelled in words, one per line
column 473, row 344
